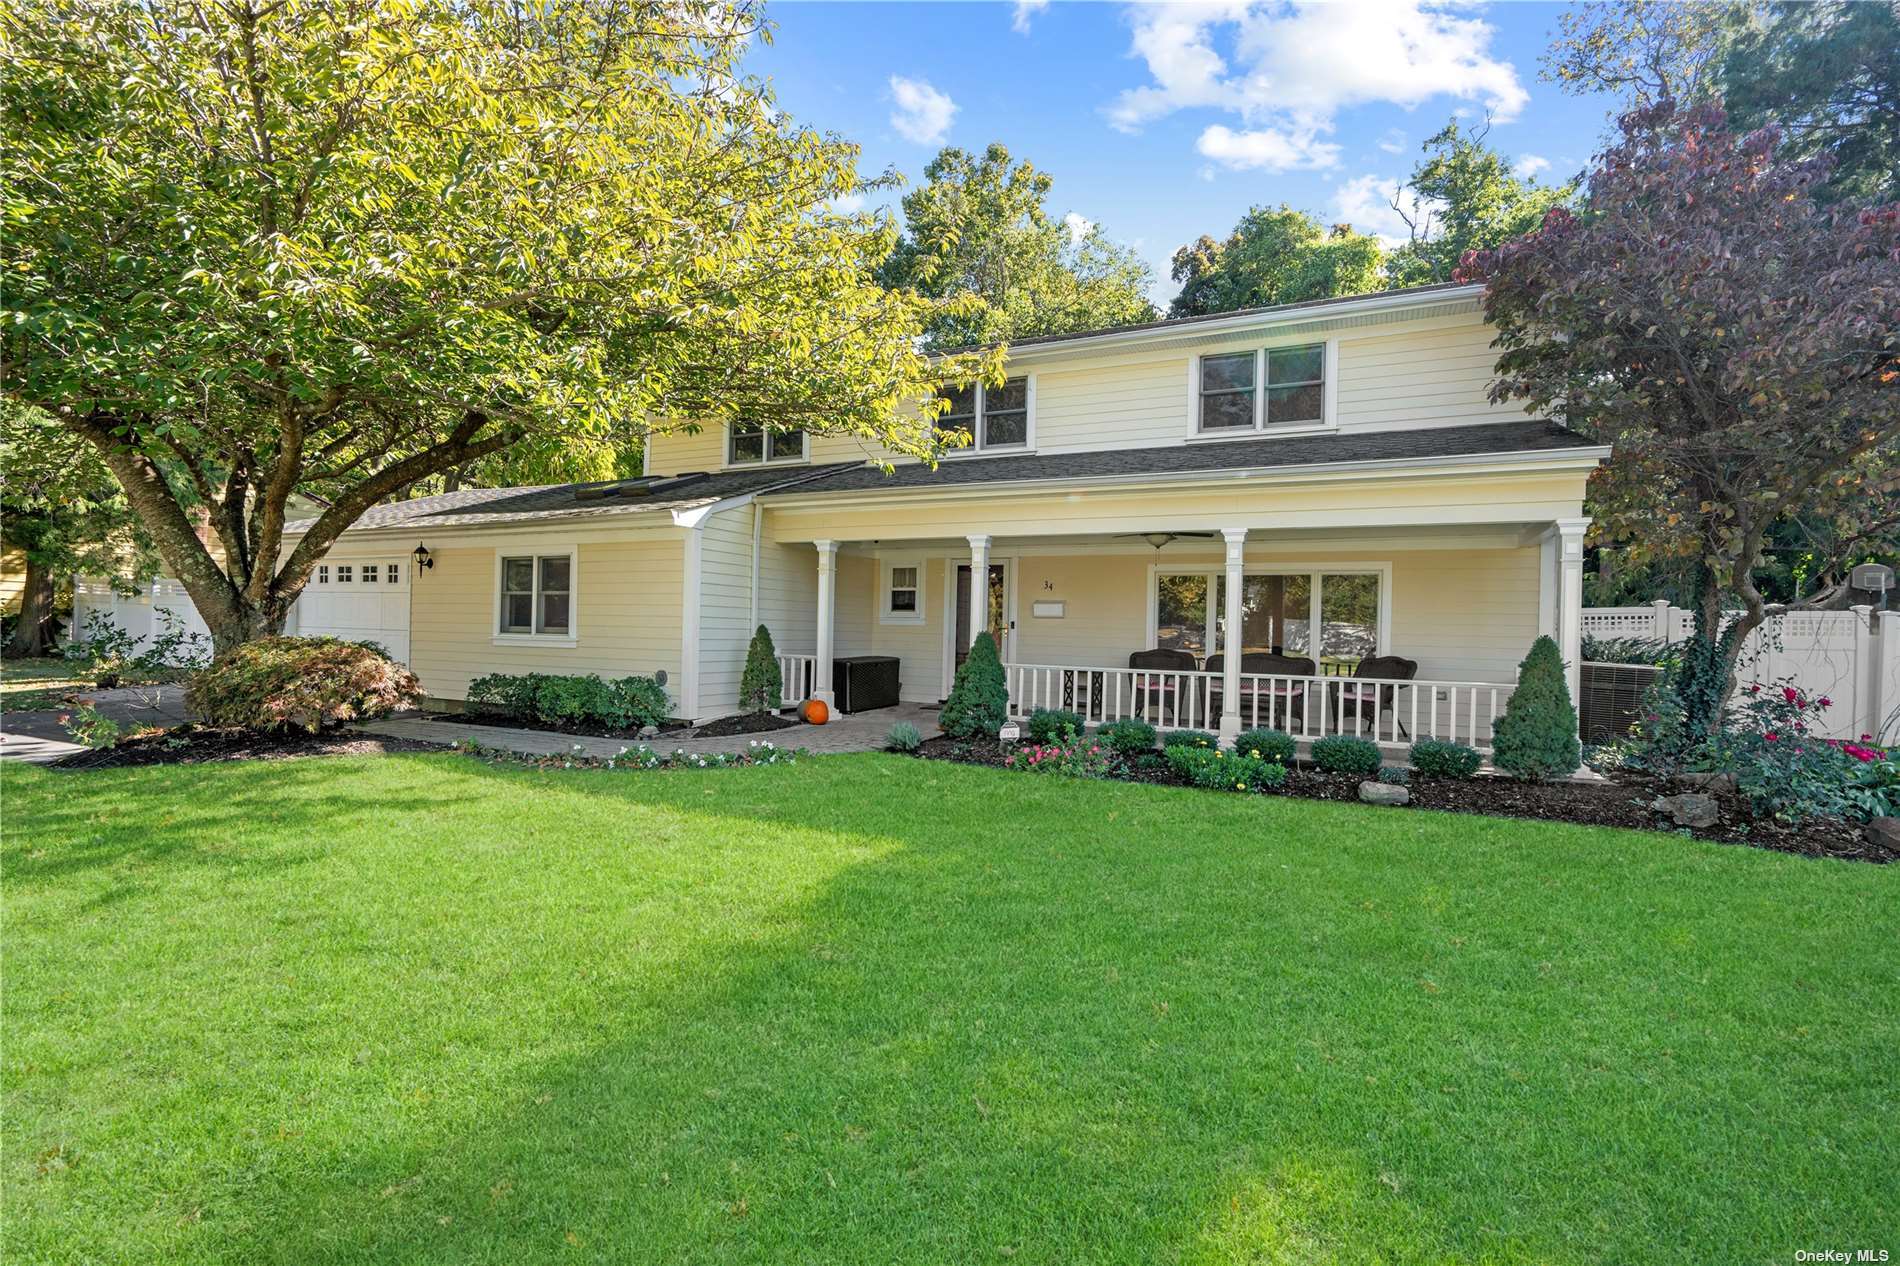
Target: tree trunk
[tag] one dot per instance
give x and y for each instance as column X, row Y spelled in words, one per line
column 33, row 635
column 247, row 624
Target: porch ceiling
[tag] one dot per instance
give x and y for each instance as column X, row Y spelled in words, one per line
column 1205, row 543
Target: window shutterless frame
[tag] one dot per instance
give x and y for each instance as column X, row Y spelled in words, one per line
column 535, row 591
column 903, row 589
column 1291, row 387
column 749, row 444
column 998, row 419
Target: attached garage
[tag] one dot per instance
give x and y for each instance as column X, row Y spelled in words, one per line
column 361, row 599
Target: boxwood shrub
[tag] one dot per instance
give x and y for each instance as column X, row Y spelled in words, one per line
column 1274, row 745
column 1344, row 754
column 622, row 704
column 1046, row 725
column 278, row 683
column 1127, row 737
column 1215, row 770
column 1441, row 758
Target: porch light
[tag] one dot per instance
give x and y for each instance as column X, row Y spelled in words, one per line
column 422, row 557
column 1157, row 539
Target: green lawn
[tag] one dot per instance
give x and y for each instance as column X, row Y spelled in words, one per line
column 28, row 684
column 867, row 1009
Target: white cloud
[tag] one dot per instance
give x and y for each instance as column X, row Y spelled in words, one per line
column 848, row 204
column 1266, row 149
column 1026, row 9
column 1393, row 142
column 1529, row 165
column 1365, row 202
column 1293, row 66
column 1079, row 225
column 923, row 114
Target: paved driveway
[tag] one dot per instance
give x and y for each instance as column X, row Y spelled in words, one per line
column 38, row 737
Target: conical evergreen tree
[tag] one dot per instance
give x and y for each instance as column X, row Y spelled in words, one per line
column 761, row 684
column 1537, row 735
column 979, row 698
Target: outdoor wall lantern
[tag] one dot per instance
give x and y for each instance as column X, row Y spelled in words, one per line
column 422, row 558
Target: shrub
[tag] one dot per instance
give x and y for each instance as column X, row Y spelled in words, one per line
column 1768, row 743
column 1872, row 786
column 1395, row 775
column 761, row 685
column 90, row 727
column 1537, row 735
column 1441, row 758
column 1274, row 745
column 1129, row 738
column 1151, row 762
column 1188, row 738
column 904, row 737
column 1626, row 650
column 645, row 701
column 1072, row 755
column 309, row 682
column 1344, row 754
column 1046, row 725
column 624, row 704
column 571, row 698
column 979, row 698
column 1215, row 770
column 513, row 693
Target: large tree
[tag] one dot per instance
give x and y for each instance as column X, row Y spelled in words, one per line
column 1274, row 255
column 1464, row 196
column 1737, row 341
column 978, row 235
column 254, row 248
column 1642, row 52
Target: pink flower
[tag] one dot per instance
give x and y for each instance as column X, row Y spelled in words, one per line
column 1826, row 702
column 1755, row 689
column 1790, row 694
column 1771, row 736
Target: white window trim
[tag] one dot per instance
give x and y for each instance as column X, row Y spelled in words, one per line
column 978, row 448
column 1215, row 573
column 725, row 453
column 551, row 550
column 885, row 614
column 1329, row 394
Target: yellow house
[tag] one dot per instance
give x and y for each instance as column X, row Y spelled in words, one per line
column 1324, row 488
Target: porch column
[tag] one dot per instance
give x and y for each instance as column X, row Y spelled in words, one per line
column 827, row 584
column 1232, row 643
column 1570, row 602
column 980, row 588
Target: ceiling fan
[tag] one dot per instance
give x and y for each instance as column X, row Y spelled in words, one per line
column 1159, row 539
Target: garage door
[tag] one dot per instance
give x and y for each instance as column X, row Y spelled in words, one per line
column 364, row 600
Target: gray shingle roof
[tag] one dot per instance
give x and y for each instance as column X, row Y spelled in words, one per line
column 1268, row 452
column 473, row 506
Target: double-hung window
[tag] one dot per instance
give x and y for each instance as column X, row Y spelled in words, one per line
column 749, row 444
column 537, row 595
column 995, row 418
column 1262, row 389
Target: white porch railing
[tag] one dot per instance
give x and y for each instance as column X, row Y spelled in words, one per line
column 798, row 675
column 1392, row 712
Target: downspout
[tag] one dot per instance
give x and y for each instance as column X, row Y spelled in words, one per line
column 758, row 524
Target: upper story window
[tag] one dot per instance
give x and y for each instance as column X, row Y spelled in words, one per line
column 1231, row 397
column 995, row 417
column 749, row 444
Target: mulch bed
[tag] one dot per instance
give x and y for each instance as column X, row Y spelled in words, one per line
column 1624, row 803
column 580, row 729
column 194, row 745
column 745, row 723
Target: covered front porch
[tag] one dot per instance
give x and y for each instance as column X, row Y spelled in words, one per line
column 1391, row 634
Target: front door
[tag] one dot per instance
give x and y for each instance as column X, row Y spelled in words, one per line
column 998, row 623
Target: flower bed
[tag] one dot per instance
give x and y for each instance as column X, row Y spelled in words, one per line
column 757, row 752
column 1624, row 801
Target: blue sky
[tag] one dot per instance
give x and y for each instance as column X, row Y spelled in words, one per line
column 1163, row 122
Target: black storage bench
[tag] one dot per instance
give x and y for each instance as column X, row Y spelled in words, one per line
column 864, row 682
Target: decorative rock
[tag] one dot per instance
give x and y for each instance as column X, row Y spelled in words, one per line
column 1692, row 808
column 1383, row 793
column 649, row 731
column 1709, row 782
column 1885, row 832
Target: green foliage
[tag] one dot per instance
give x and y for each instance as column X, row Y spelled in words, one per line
column 1783, row 770
column 1394, row 775
column 1872, row 786
column 1070, row 754
column 1268, row 744
column 1626, row 650
column 1128, row 737
column 92, row 728
column 979, row 697
column 1274, row 256
column 308, row 683
column 1442, row 758
column 904, row 737
column 1467, row 197
column 419, row 235
column 761, row 685
column 1345, row 754
column 1537, row 735
column 978, row 236
column 622, row 704
column 1046, row 725
column 1189, row 738
column 111, row 655
column 1215, row 770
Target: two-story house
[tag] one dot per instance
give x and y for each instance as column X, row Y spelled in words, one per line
column 1309, row 486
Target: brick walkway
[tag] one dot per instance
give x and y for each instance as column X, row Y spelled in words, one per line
column 859, row 732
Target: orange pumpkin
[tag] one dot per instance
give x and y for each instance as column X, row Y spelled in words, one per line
column 815, row 712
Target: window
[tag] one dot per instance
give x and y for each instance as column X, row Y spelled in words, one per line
column 750, row 444
column 993, row 417
column 903, row 593
column 323, row 574
column 536, row 593
column 343, row 573
column 395, row 573
column 1277, row 613
column 370, row 574
column 1230, row 399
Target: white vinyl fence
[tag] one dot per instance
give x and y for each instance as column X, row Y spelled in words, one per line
column 139, row 613
column 1851, row 657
